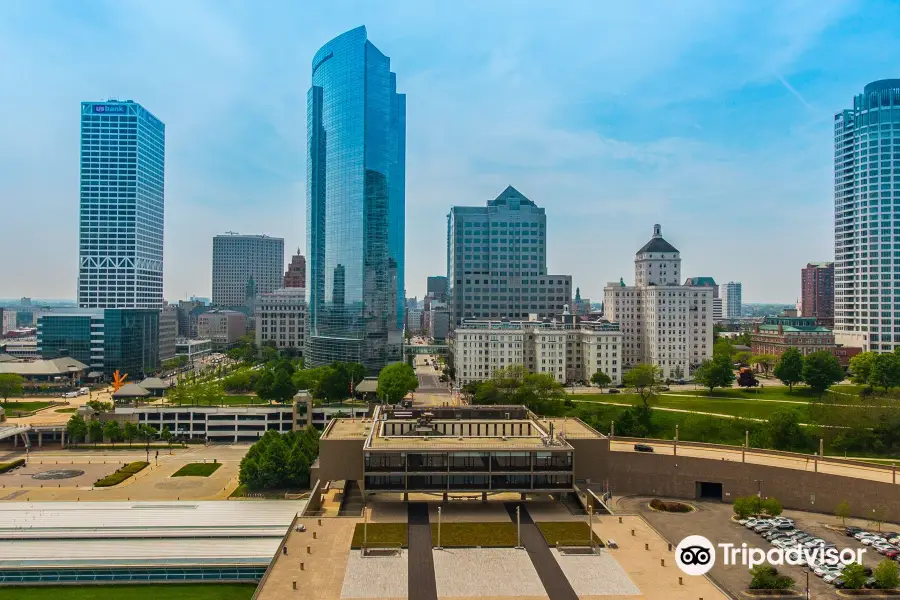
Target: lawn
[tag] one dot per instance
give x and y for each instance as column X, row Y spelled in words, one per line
column 486, row 535
column 238, row 400
column 65, row 410
column 14, row 408
column 197, row 470
column 740, row 406
column 569, row 533
column 122, row 474
column 387, row 534
column 203, row 591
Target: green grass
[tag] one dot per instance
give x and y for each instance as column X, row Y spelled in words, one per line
column 486, row 535
column 8, row 466
column 14, row 408
column 197, row 470
column 570, row 533
column 203, row 591
column 737, row 407
column 65, row 410
column 121, row 474
column 235, row 400
column 389, row 534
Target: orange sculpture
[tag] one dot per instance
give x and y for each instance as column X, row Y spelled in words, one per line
column 118, row 380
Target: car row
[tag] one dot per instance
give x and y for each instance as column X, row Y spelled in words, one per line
column 886, row 543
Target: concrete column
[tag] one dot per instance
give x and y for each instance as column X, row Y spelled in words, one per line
column 15, row 441
column 484, row 497
column 445, row 496
column 62, row 442
column 40, row 439
column 821, row 446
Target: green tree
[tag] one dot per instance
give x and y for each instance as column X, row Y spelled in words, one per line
column 264, row 385
column 764, row 361
column 10, row 385
column 282, row 388
column 766, row 577
column 790, row 368
column 744, row 506
column 861, row 367
column 601, row 379
column 821, row 370
column 772, row 507
column 645, row 379
column 742, row 357
column 112, row 431
column 76, row 429
column 147, row 433
column 723, row 347
column 785, row 431
column 395, row 381
column 95, row 429
column 885, row 371
column 842, row 511
column 297, row 466
column 887, row 575
column 678, row 373
column 715, row 373
column 854, row 576
column 166, row 435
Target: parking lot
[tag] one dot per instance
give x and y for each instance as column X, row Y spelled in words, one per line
column 713, row 520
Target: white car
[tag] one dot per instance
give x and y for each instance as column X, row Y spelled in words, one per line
column 70, row 395
column 895, row 540
column 864, row 534
column 831, row 576
column 868, row 541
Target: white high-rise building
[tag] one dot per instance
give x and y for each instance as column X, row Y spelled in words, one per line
column 730, row 293
column 281, row 319
column 663, row 323
column 867, row 219
column 244, row 266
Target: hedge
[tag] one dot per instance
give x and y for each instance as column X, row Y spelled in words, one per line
column 4, row 467
column 122, row 474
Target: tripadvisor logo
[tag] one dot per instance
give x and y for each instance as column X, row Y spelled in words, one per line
column 696, row 555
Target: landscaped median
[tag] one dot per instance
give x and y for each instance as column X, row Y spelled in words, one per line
column 122, row 474
column 471, row 535
column 4, row 467
column 392, row 535
column 568, row 533
column 197, row 470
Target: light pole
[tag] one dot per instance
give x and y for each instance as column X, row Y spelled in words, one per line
column 759, row 497
column 518, row 528
column 439, row 529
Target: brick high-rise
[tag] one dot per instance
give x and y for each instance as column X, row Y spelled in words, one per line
column 295, row 276
column 817, row 287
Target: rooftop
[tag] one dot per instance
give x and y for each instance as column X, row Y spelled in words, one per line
column 657, row 243
column 52, row 367
column 510, row 196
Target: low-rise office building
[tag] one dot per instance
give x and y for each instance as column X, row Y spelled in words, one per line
column 569, row 349
column 281, row 319
column 168, row 331
column 193, row 349
column 24, row 347
column 223, row 327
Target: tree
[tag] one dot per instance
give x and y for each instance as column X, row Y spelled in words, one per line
column 112, row 431
column 771, row 507
column 885, row 371
column 678, row 373
column 766, row 577
column 723, row 347
column 785, row 431
column 861, row 367
column 166, row 435
column 282, row 388
column 76, row 429
column 131, row 432
column 821, row 370
column 395, row 381
column 147, row 433
column 744, row 506
column 715, row 373
column 95, row 429
column 842, row 511
column 854, row 576
column 10, row 385
column 644, row 378
column 764, row 361
column 790, row 368
column 887, row 575
column 601, row 379
column 742, row 358
column 264, row 385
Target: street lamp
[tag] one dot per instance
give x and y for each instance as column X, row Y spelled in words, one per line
column 759, row 496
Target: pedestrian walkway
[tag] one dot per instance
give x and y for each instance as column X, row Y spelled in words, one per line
column 422, row 584
column 548, row 569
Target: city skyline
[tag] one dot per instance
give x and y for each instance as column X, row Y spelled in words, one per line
column 702, row 141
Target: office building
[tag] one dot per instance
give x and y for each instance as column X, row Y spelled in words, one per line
column 414, row 318
column 356, row 186
column 224, row 327
column 281, row 320
column 437, row 287
column 295, row 276
column 436, row 321
column 168, row 331
column 867, row 219
column 244, row 266
column 663, row 323
column 8, row 321
column 817, row 292
column 717, row 308
column 570, row 350
column 497, row 256
column 120, row 246
column 193, row 349
column 123, row 339
column 731, row 300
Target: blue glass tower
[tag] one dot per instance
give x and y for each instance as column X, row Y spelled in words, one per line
column 122, row 198
column 355, row 193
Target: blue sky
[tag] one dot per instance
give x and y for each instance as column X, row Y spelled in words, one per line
column 712, row 118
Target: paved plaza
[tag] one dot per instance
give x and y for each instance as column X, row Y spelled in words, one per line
column 485, row 572
column 376, row 577
column 595, row 574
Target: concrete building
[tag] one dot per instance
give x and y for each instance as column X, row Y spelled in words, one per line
column 717, row 309
column 281, row 319
column 776, row 334
column 168, row 331
column 7, row 320
column 731, row 300
column 414, row 317
column 570, row 350
column 817, row 289
column 223, row 327
column 663, row 323
column 866, row 226
column 24, row 347
column 295, row 276
column 703, row 282
column 436, row 321
column 193, row 348
column 120, row 246
column 497, row 257
column 244, row 266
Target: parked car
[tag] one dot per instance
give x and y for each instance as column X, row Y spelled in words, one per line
column 643, row 448
column 851, row 531
column 892, row 553
column 70, row 395
column 613, row 391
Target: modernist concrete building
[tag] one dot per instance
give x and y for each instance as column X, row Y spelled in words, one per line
column 168, row 331
column 569, row 349
column 497, row 262
column 281, row 319
column 663, row 323
column 223, row 327
column 192, row 348
column 244, row 266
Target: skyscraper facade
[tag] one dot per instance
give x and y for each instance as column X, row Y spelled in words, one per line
column 817, row 289
column 731, row 295
column 356, row 174
column 122, row 204
column 244, row 266
column 867, row 219
column 295, row 276
column 497, row 257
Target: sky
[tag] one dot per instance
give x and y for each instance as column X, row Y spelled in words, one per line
column 711, row 118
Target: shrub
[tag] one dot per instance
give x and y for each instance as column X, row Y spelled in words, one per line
column 854, row 576
column 4, row 467
column 121, row 474
column 673, row 507
column 766, row 577
column 887, row 575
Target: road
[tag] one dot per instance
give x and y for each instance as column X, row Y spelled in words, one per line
column 431, row 390
column 773, row 460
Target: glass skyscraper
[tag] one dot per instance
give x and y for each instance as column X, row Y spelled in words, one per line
column 356, row 180
column 867, row 219
column 122, row 193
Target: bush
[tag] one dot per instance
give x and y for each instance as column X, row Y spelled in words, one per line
column 745, row 506
column 4, row 467
column 672, row 507
column 887, row 575
column 771, row 507
column 854, row 576
column 121, row 474
column 766, row 577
